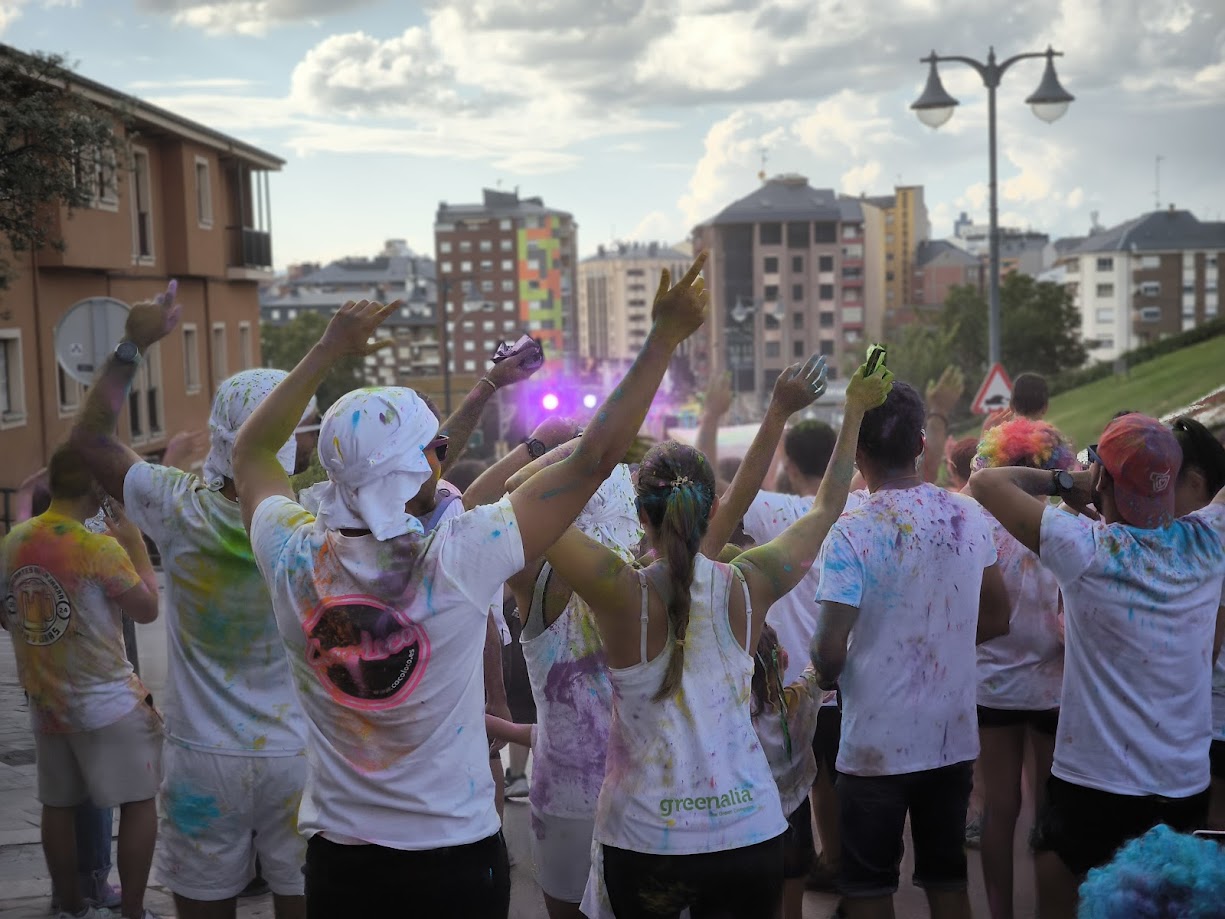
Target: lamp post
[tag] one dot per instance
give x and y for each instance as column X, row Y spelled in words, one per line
column 935, row 106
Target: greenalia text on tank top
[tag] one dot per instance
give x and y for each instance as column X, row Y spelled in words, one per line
column 736, row 799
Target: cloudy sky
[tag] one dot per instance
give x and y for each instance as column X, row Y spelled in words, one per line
column 644, row 117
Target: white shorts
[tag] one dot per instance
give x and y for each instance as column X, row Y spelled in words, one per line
column 218, row 811
column 561, row 852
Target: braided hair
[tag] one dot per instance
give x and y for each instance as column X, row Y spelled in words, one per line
column 676, row 490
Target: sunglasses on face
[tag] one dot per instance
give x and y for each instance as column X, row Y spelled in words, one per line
column 1091, row 451
column 439, row 446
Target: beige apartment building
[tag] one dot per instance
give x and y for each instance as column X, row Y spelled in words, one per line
column 896, row 225
column 193, row 205
column 616, row 287
column 788, row 276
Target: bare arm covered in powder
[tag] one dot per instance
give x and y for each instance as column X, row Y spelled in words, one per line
column 549, row 502
column 774, row 569
column 797, row 387
column 463, row 421
column 94, row 433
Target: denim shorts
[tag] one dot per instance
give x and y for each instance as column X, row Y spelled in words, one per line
column 873, row 819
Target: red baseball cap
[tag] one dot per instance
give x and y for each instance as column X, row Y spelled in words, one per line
column 1143, row 457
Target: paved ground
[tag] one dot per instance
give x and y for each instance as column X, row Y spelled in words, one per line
column 25, row 885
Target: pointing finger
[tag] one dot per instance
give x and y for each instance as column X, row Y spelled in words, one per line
column 694, row 270
column 665, row 282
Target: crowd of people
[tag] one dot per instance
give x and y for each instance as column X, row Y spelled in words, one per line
column 725, row 663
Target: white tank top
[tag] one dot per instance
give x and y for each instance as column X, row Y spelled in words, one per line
column 566, row 666
column 687, row 775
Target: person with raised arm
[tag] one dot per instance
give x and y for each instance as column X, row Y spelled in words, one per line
column 383, row 625
column 235, row 736
column 97, row 736
column 689, row 813
column 1141, row 601
column 908, row 583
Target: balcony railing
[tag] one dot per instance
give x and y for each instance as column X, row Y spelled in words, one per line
column 250, row 248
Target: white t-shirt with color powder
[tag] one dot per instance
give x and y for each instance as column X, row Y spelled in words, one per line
column 1139, row 614
column 228, row 687
column 1023, row 670
column 58, row 586
column 385, row 642
column 911, row 561
column 793, row 616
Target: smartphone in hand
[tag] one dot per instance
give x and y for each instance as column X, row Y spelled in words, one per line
column 876, row 359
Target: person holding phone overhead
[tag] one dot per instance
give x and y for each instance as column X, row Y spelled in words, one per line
column 689, row 813
column 383, row 624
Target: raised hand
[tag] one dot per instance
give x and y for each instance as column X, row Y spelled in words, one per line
column 942, row 395
column 1081, row 497
column 152, row 320
column 513, row 370
column 800, row 385
column 680, row 310
column 867, row 392
column 348, row 334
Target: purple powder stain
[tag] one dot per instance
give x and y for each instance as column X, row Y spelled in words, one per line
column 577, row 737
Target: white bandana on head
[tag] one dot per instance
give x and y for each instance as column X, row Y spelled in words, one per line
column 611, row 516
column 372, row 444
column 235, row 401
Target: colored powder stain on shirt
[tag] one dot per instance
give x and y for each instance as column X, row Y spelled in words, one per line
column 190, row 813
column 356, row 418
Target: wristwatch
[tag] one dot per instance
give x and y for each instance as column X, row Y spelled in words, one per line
column 535, row 448
column 126, row 352
column 1061, row 482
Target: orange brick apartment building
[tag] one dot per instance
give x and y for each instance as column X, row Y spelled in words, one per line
column 192, row 204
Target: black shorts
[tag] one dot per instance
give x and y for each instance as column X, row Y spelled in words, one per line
column 826, row 738
column 1043, row 721
column 1216, row 757
column 798, row 847
column 873, row 818
column 1085, row 826
column 471, row 880
column 745, row 883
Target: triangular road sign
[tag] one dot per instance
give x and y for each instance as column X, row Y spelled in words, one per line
column 995, row 393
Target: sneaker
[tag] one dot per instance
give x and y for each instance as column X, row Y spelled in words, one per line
column 516, row 786
column 974, row 833
column 95, row 912
column 103, row 894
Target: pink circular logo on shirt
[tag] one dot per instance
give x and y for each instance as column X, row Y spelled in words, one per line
column 368, row 655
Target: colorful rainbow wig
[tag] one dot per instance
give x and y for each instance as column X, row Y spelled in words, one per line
column 1161, row 874
column 1023, row 442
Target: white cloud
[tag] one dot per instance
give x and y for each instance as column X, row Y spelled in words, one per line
column 523, row 86
column 204, row 83
column 656, row 225
column 357, row 73
column 860, row 179
column 246, row 17
column 10, row 12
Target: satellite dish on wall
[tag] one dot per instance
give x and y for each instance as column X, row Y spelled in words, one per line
column 87, row 335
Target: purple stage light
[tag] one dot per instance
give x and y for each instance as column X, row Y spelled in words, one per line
column 550, row 402
column 590, row 401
